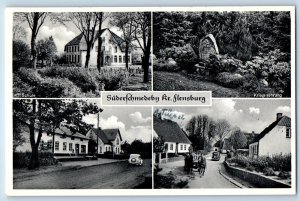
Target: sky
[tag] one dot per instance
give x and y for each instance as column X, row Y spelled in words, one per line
column 248, row 114
column 61, row 34
column 133, row 122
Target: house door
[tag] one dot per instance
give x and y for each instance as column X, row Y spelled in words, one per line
column 76, row 149
column 107, row 61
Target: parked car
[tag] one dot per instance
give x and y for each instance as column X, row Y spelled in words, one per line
column 215, row 156
column 135, row 159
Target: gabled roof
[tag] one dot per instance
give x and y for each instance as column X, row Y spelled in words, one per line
column 77, row 39
column 283, row 121
column 107, row 135
column 170, row 131
column 63, row 130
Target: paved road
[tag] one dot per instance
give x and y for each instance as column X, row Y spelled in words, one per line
column 119, row 175
column 212, row 178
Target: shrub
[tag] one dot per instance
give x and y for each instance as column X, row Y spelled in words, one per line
column 81, row 77
column 268, row 171
column 284, row 175
column 22, row 159
column 112, row 78
column 166, row 67
column 21, row 55
column 230, row 80
column 57, row 87
column 21, row 88
column 222, row 63
column 30, row 76
column 250, row 168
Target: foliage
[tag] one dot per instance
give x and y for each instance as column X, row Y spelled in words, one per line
column 284, row 175
column 268, row 171
column 239, row 34
column 230, row 80
column 238, row 139
column 164, row 66
column 46, row 50
column 22, row 159
column 168, row 181
column 158, row 144
column 18, row 138
column 21, row 55
column 277, row 162
column 222, row 63
column 112, row 79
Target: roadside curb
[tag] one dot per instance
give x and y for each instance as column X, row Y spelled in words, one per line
column 234, row 182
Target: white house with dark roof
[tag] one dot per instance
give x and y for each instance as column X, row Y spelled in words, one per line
column 112, row 50
column 61, row 142
column 106, row 140
column 175, row 138
column 275, row 139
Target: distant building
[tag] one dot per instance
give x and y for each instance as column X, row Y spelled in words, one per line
column 175, row 138
column 105, row 140
column 275, row 139
column 61, row 142
column 112, row 50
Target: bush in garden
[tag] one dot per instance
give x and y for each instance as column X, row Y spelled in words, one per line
column 22, row 159
column 21, row 88
column 166, row 67
column 284, row 175
column 82, row 77
column 250, row 168
column 57, row 87
column 30, row 76
column 268, row 171
column 112, row 78
column 230, row 80
column 222, row 63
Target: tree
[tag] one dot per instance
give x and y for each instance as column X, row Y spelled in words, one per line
column 18, row 138
column 158, row 144
column 19, row 33
column 40, row 115
column 222, row 130
column 86, row 23
column 238, row 140
column 101, row 18
column 126, row 148
column 46, row 50
column 35, row 20
column 125, row 22
column 21, row 54
column 142, row 35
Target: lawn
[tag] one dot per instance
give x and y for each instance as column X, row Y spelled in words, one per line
column 173, row 81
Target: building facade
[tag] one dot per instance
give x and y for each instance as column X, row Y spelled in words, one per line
column 112, row 50
column 273, row 140
column 175, row 139
column 106, row 140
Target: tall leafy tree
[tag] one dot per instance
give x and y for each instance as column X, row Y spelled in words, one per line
column 125, row 22
column 142, row 35
column 86, row 23
column 40, row 115
column 46, row 50
column 222, row 130
column 35, row 20
column 238, row 140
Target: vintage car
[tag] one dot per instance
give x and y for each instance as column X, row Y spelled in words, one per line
column 135, row 159
column 215, row 156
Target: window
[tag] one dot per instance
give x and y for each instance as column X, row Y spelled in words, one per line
column 115, row 49
column 288, row 132
column 70, row 147
column 100, row 149
column 115, row 59
column 117, row 141
column 106, row 149
column 185, row 147
column 123, row 59
column 78, row 59
column 120, row 59
column 81, row 139
column 103, row 39
column 56, row 145
column 64, row 146
column 181, row 147
column 49, row 145
column 83, row 148
column 72, row 138
column 171, row 147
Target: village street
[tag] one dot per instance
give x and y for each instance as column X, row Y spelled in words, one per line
column 211, row 179
column 118, row 175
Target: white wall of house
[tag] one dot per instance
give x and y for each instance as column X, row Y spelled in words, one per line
column 60, row 148
column 183, row 148
column 275, row 142
column 117, row 145
column 171, row 147
column 118, row 57
column 253, row 150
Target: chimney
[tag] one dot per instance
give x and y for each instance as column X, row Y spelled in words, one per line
column 278, row 116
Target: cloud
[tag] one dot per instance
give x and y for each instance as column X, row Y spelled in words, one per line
column 143, row 133
column 60, row 34
column 254, row 110
column 283, row 109
column 137, row 118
